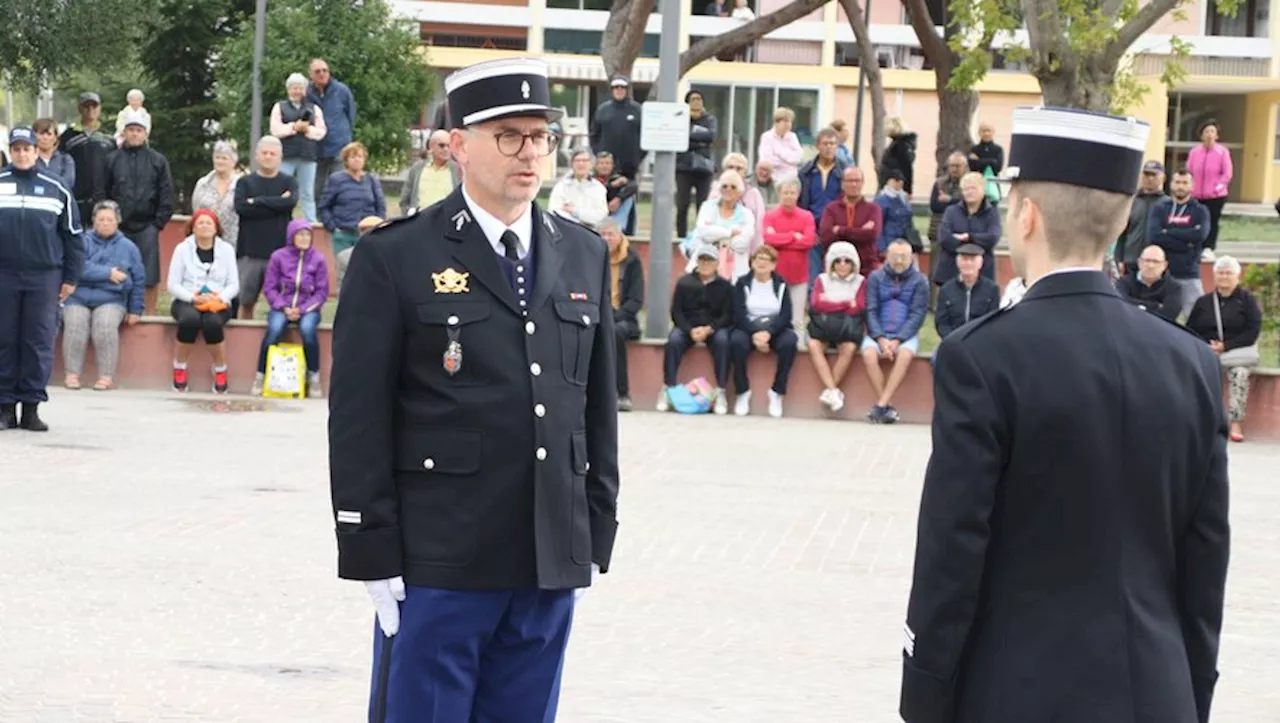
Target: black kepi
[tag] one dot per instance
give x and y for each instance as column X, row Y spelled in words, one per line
column 499, row 89
column 1077, row 148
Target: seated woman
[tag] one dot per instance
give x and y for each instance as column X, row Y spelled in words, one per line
column 296, row 285
column 627, row 296
column 702, row 311
column 1230, row 319
column 578, row 195
column 762, row 320
column 109, row 292
column 726, row 224
column 203, row 281
column 837, row 306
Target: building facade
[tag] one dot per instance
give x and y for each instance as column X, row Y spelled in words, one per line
column 810, row 66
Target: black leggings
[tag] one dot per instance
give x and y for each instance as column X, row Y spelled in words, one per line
column 192, row 323
column 690, row 187
column 1215, row 216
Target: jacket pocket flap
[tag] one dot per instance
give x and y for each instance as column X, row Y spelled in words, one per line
column 453, row 313
column 574, row 312
column 578, row 452
column 439, row 450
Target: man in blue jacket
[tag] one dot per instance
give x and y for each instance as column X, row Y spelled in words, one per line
column 897, row 301
column 1179, row 224
column 40, row 259
column 338, row 104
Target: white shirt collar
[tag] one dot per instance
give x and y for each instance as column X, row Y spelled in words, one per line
column 493, row 228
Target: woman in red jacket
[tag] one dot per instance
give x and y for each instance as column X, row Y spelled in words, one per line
column 791, row 230
column 836, row 319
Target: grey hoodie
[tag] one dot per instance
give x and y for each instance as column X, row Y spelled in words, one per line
column 1134, row 237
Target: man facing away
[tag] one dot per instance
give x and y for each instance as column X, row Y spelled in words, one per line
column 1072, row 543
column 473, row 423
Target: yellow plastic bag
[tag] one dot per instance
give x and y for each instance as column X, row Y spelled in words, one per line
column 286, row 372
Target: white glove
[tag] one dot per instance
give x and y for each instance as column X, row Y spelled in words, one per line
column 387, row 596
column 579, row 593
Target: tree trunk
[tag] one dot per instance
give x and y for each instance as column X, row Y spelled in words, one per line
column 955, row 119
column 868, row 63
column 623, row 36
column 1090, row 89
column 745, row 34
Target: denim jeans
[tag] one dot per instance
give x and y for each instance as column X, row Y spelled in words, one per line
column 305, row 174
column 624, row 211
column 277, row 322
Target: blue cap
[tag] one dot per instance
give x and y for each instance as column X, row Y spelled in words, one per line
column 22, row 134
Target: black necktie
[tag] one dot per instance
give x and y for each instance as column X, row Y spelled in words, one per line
column 511, row 244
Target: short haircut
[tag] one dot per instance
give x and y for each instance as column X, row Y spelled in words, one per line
column 605, row 156
column 1184, row 171
column 894, row 126
column 295, row 79
column 838, row 125
column 269, row 141
column 351, row 149
column 767, row 251
column 223, row 148
column 732, row 178
column 791, row 183
column 785, row 114
column 973, row 177
column 1227, row 263
column 45, row 125
column 735, row 156
column 581, row 152
column 106, row 205
column 1072, row 233
column 900, row 242
column 135, row 93
column 826, row 133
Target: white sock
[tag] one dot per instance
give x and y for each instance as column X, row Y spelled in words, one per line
column 259, row 376
column 179, row 365
column 219, row 368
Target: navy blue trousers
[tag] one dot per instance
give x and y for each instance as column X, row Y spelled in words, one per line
column 28, row 326
column 472, row 656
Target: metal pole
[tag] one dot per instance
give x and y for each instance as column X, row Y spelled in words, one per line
column 662, row 229
column 862, row 85
column 8, row 100
column 259, row 49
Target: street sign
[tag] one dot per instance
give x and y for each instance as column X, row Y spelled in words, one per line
column 664, row 127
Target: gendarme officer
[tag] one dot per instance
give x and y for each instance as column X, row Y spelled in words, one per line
column 473, row 422
column 41, row 256
column 1073, row 539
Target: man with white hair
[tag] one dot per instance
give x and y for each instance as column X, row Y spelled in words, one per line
column 265, row 201
column 432, row 178
column 138, row 179
column 1072, row 544
column 299, row 124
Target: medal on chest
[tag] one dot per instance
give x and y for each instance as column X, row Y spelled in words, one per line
column 453, row 353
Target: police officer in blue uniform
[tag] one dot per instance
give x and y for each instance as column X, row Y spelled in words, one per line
column 473, row 423
column 1073, row 538
column 40, row 259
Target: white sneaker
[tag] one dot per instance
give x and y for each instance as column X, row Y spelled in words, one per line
column 664, row 404
column 742, row 405
column 838, row 403
column 1208, row 256
column 722, row 402
column 827, row 398
column 256, row 389
column 775, row 404
column 313, row 386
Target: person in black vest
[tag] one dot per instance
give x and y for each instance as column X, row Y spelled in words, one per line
column 1055, row 579
column 299, row 124
column 473, row 422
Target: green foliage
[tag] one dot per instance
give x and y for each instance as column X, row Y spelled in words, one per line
column 183, row 39
column 1263, row 280
column 380, row 58
column 53, row 39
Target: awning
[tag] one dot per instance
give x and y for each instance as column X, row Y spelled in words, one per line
column 591, row 70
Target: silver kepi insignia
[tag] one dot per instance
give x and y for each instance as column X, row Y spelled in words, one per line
column 460, row 219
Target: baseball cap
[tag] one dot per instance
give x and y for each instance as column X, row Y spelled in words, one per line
column 1153, row 167
column 22, row 134
column 136, row 118
column 90, row 97
column 970, row 250
column 706, row 252
column 619, row 81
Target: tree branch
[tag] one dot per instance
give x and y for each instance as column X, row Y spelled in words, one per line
column 623, row 35
column 870, row 65
column 1129, row 33
column 1046, row 36
column 933, row 47
column 708, row 48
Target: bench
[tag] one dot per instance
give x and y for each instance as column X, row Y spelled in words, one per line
column 146, row 362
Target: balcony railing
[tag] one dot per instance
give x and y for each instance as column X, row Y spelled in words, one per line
column 1205, row 65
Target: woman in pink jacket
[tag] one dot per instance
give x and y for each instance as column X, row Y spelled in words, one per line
column 780, row 148
column 1210, row 166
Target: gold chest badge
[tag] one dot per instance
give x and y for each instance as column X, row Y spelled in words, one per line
column 451, row 281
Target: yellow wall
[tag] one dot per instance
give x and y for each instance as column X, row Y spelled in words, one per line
column 1155, row 111
column 1258, row 172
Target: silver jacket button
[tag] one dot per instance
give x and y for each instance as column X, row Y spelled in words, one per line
column 453, row 321
column 586, row 320
column 428, row 463
column 529, row 327
column 541, row 454
column 535, row 369
column 539, row 410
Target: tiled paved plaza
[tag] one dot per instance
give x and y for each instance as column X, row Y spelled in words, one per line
column 160, row 561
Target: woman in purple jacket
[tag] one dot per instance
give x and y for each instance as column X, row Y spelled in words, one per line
column 296, row 286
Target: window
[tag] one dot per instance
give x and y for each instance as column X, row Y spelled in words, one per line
column 1251, row 20
column 1276, row 154
column 580, row 4
column 744, row 112
column 587, row 42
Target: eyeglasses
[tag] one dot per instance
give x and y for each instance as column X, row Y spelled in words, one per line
column 510, row 143
column 844, row 261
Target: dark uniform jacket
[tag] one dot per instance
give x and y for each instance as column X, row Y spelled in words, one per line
column 1073, row 538
column 138, row 179
column 504, row 474
column 39, row 228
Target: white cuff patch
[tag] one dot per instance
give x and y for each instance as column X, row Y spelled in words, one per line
column 348, row 517
column 908, row 641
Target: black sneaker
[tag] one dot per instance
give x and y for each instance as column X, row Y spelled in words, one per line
column 624, row 404
column 876, row 415
column 8, row 416
column 889, row 415
column 31, row 419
